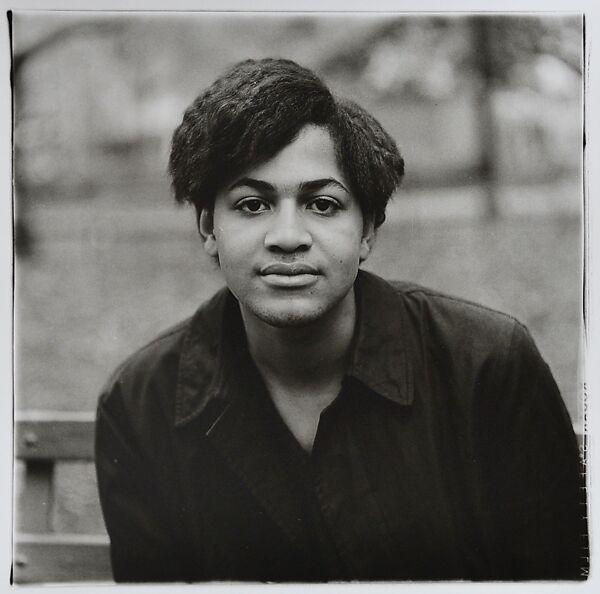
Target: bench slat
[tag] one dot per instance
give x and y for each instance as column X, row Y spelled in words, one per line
column 40, row 558
column 55, row 436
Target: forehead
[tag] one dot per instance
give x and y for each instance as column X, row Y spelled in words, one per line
column 311, row 155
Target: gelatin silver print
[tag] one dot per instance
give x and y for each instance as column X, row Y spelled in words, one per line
column 298, row 297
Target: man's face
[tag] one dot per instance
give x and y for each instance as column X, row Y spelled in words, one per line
column 289, row 235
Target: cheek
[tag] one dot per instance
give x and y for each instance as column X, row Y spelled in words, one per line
column 227, row 254
column 233, row 244
column 229, row 257
column 345, row 247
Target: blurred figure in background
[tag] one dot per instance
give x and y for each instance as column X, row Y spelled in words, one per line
column 312, row 421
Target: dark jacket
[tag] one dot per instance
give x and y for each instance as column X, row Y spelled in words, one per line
column 449, row 456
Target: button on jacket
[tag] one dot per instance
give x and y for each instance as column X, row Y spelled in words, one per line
column 448, row 454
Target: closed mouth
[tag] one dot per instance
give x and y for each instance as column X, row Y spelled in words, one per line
column 291, row 269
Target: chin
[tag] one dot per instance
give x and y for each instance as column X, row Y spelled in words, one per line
column 287, row 320
column 288, row 316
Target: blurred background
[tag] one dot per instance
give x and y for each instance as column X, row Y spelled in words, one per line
column 487, row 112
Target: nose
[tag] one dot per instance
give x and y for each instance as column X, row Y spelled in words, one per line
column 287, row 231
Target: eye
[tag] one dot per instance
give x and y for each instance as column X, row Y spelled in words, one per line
column 252, row 205
column 324, row 205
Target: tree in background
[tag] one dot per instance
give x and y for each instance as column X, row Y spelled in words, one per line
column 33, row 44
column 428, row 59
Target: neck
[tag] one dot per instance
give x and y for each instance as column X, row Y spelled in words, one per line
column 303, row 355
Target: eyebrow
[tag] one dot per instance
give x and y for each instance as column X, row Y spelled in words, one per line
column 255, row 184
column 307, row 186
column 317, row 184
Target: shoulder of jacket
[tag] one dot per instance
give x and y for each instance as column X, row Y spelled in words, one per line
column 458, row 308
column 166, row 347
column 462, row 326
column 468, row 340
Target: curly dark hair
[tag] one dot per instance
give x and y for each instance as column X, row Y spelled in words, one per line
column 257, row 108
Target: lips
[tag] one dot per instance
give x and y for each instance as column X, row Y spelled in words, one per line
column 289, row 276
column 291, row 269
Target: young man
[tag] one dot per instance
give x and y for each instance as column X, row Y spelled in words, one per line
column 311, row 421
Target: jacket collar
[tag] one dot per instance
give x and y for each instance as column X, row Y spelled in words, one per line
column 379, row 359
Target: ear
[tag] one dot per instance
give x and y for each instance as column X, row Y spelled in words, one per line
column 368, row 239
column 206, row 228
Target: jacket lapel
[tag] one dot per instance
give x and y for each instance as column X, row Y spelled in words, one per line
column 216, row 369
column 243, row 439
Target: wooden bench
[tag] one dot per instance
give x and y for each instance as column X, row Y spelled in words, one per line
column 41, row 440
